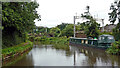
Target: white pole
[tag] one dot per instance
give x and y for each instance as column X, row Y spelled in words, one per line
column 74, row 26
column 103, row 24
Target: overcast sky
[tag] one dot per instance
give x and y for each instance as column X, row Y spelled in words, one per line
column 54, row 12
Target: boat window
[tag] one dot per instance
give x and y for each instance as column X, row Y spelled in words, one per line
column 86, row 42
column 101, row 38
column 110, row 37
column 82, row 41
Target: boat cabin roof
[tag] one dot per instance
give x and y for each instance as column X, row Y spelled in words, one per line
column 105, row 35
column 82, row 38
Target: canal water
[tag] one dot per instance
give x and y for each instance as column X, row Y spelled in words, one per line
column 46, row 55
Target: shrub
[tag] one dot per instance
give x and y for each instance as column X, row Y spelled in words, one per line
column 115, row 48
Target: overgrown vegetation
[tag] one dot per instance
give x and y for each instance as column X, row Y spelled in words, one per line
column 114, row 49
column 91, row 26
column 113, row 15
column 55, row 31
column 17, row 21
column 116, row 32
column 14, row 60
column 67, row 31
column 16, row 50
column 58, row 42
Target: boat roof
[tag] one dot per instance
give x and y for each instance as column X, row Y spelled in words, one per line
column 78, row 38
column 105, row 35
column 82, row 38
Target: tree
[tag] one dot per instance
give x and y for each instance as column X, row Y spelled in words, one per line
column 19, row 15
column 78, row 27
column 115, row 13
column 83, row 26
column 91, row 26
column 17, row 20
column 116, row 32
column 55, row 31
column 62, row 26
column 67, row 31
column 92, row 30
column 41, row 29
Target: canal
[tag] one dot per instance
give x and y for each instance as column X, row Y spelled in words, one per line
column 46, row 55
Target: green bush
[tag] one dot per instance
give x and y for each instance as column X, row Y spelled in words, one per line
column 31, row 38
column 44, row 38
column 115, row 48
column 11, row 38
column 58, row 42
column 11, row 51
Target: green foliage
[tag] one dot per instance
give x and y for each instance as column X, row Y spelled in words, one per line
column 91, row 27
column 58, row 42
column 112, row 18
column 41, row 29
column 109, row 33
column 84, row 25
column 41, row 39
column 92, row 32
column 31, row 38
column 55, row 31
column 11, row 38
column 68, row 31
column 115, row 48
column 116, row 32
column 17, row 20
column 14, row 60
column 113, row 14
column 62, row 26
column 20, row 15
column 78, row 28
column 64, row 30
column 11, row 51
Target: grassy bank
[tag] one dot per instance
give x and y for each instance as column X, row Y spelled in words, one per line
column 58, row 42
column 14, row 60
column 16, row 50
column 114, row 49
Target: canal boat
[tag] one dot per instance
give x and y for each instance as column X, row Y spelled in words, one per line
column 103, row 41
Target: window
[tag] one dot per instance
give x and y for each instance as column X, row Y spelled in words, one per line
column 110, row 37
column 101, row 38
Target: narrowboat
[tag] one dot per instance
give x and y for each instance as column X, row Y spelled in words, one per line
column 103, row 41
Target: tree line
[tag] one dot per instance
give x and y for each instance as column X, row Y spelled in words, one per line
column 17, row 20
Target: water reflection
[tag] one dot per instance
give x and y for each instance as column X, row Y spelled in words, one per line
column 95, row 57
column 46, row 55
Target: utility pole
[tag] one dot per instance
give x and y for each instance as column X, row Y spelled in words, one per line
column 78, row 17
column 74, row 18
column 46, row 29
column 102, row 24
column 74, row 26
